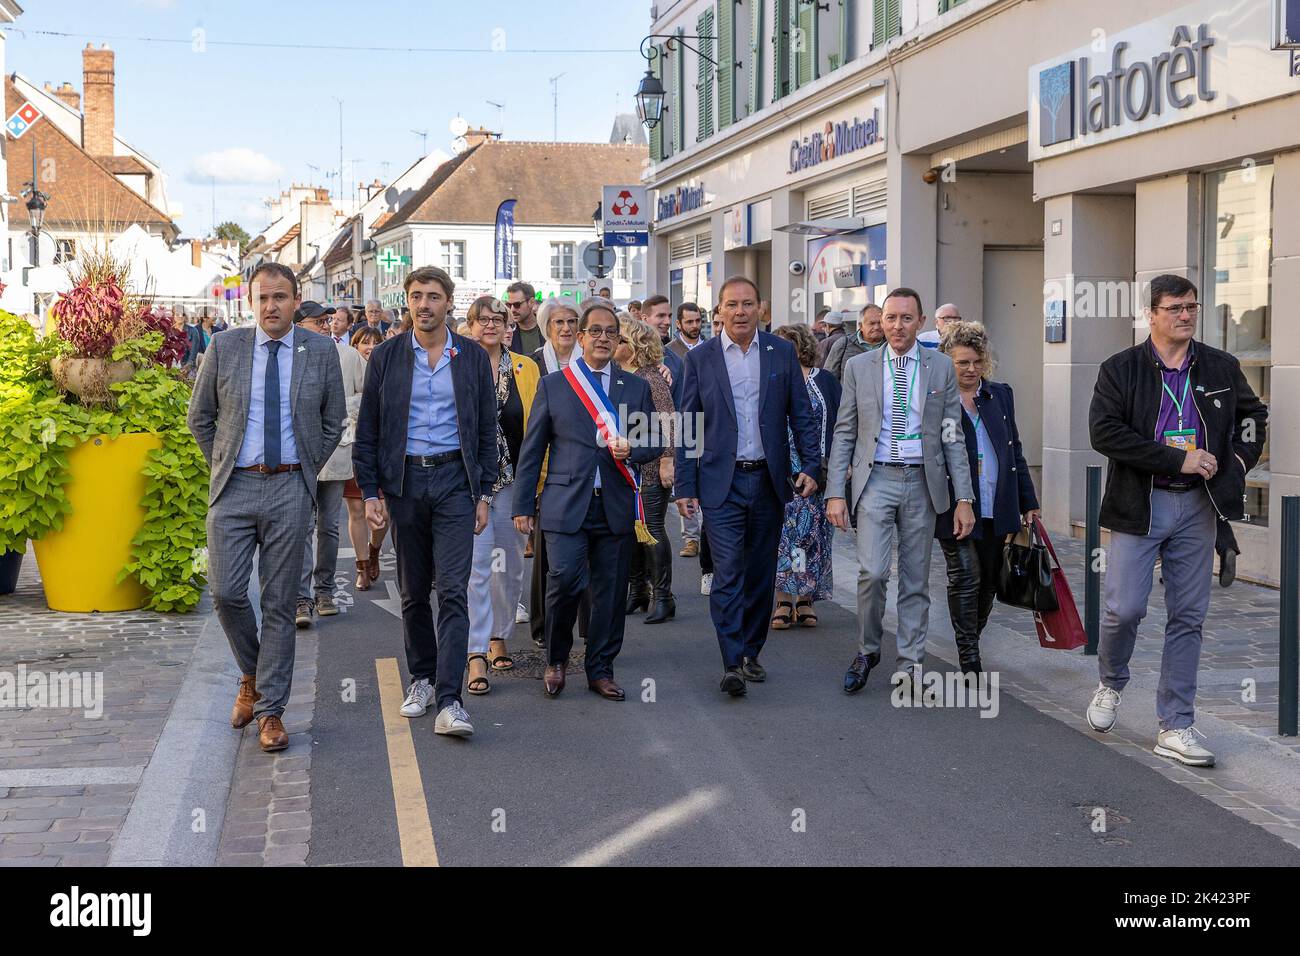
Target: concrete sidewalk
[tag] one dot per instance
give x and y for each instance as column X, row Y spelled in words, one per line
column 1257, row 775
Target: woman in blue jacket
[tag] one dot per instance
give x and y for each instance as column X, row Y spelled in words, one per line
column 1003, row 487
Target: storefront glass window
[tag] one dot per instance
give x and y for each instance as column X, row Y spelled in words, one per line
column 1237, row 315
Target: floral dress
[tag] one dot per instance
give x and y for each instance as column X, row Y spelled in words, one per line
column 803, row 563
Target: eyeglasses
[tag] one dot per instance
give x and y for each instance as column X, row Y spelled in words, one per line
column 515, row 305
column 490, row 319
column 1193, row 309
column 968, row 364
column 597, row 333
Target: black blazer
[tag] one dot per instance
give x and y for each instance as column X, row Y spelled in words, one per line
column 379, row 449
column 1014, row 493
column 831, row 390
column 705, row 473
column 561, row 424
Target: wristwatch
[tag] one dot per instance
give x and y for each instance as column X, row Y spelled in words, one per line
column 486, row 499
column 969, row 501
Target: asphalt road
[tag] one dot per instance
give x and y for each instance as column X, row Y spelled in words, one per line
column 795, row 773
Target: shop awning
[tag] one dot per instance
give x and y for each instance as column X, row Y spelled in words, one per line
column 824, row 227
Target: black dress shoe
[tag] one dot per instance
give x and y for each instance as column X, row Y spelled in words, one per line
column 856, row 677
column 664, row 610
column 751, row 669
column 733, row 683
column 638, row 599
column 1227, row 567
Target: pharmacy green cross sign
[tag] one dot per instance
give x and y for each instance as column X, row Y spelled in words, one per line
column 390, row 260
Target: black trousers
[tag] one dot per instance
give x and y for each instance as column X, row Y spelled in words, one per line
column 973, row 565
column 652, row 564
column 537, row 595
column 706, row 553
column 592, row 557
column 433, row 532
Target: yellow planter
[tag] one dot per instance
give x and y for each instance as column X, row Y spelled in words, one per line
column 80, row 564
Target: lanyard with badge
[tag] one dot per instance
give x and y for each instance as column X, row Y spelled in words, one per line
column 1181, row 438
column 909, row 446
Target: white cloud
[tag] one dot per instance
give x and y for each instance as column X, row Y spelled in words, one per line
column 238, row 165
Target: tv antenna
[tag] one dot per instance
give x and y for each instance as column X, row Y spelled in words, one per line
column 424, row 140
column 555, row 107
column 501, row 115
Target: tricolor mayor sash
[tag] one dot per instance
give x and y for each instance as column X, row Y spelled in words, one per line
column 601, row 410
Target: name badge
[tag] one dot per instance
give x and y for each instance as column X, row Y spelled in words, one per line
column 979, row 465
column 909, row 446
column 1184, row 439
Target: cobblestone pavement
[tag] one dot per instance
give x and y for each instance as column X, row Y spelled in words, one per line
column 67, row 778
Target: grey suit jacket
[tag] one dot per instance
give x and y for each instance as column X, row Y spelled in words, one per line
column 857, row 429
column 219, row 406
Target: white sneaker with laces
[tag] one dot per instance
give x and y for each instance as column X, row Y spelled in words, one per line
column 1103, row 709
column 418, row 698
column 1181, row 745
column 521, row 615
column 706, row 584
column 453, row 722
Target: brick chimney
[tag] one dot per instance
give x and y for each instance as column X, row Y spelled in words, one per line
column 69, row 95
column 474, row 137
column 196, row 253
column 98, row 82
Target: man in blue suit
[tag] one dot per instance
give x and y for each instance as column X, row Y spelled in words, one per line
column 588, row 508
column 743, row 387
column 658, row 312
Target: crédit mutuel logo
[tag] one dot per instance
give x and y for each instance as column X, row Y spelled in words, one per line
column 77, row 909
column 1072, row 102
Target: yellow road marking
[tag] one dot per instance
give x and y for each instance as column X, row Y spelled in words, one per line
column 413, row 829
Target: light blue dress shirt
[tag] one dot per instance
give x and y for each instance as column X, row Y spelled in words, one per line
column 987, row 480
column 431, row 426
column 743, row 370
column 252, row 452
column 915, row 402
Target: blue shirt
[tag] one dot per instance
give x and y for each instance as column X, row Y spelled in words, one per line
column 911, row 377
column 743, row 371
column 252, row 452
column 431, row 426
column 987, row 464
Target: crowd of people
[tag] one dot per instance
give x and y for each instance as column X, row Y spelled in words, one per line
column 518, row 433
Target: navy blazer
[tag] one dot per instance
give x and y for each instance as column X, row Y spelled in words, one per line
column 673, row 362
column 706, row 467
column 560, row 423
column 832, row 391
column 1014, row 492
column 379, row 449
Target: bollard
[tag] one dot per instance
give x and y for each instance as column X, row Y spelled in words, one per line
column 1091, row 569
column 1288, row 664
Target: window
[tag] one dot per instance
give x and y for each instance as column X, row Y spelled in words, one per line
column 516, row 257
column 886, row 21
column 629, row 265
column 65, row 250
column 1236, row 314
column 562, row 260
column 704, row 85
column 453, row 258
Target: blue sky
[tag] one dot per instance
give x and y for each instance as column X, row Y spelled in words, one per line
column 257, row 116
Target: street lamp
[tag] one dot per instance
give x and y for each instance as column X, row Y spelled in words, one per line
column 650, row 93
column 36, row 201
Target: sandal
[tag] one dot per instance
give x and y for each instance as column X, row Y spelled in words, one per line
column 374, row 563
column 781, row 619
column 363, row 575
column 503, row 661
column 808, row 619
column 478, row 685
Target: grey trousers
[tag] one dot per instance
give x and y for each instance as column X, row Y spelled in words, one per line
column 895, row 503
column 1182, row 535
column 321, row 555
column 266, row 514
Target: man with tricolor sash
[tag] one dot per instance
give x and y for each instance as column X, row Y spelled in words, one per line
column 589, row 508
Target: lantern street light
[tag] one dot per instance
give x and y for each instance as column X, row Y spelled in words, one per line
column 36, row 202
column 650, row 93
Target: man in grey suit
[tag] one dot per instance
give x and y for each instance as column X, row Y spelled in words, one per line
column 897, row 440
column 267, row 411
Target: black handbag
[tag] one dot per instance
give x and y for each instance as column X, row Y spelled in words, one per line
column 1025, row 579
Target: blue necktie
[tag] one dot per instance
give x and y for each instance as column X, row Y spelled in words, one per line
column 271, row 407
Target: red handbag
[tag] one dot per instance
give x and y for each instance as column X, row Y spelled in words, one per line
column 1060, row 629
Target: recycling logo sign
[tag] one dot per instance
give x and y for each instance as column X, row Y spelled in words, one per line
column 625, row 211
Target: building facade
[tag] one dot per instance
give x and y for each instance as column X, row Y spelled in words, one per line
column 1033, row 162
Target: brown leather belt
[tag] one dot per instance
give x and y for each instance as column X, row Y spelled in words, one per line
column 279, row 470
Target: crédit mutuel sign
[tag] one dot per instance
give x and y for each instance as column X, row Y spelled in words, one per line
column 1194, row 61
column 835, row 138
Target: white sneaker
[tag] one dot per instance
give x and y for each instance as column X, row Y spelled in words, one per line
column 1181, row 745
column 1103, row 709
column 521, row 615
column 418, row 698
column 706, row 584
column 453, row 721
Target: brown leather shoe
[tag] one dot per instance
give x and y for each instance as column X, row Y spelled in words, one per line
column 605, row 687
column 553, row 679
column 242, row 713
column 270, row 733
